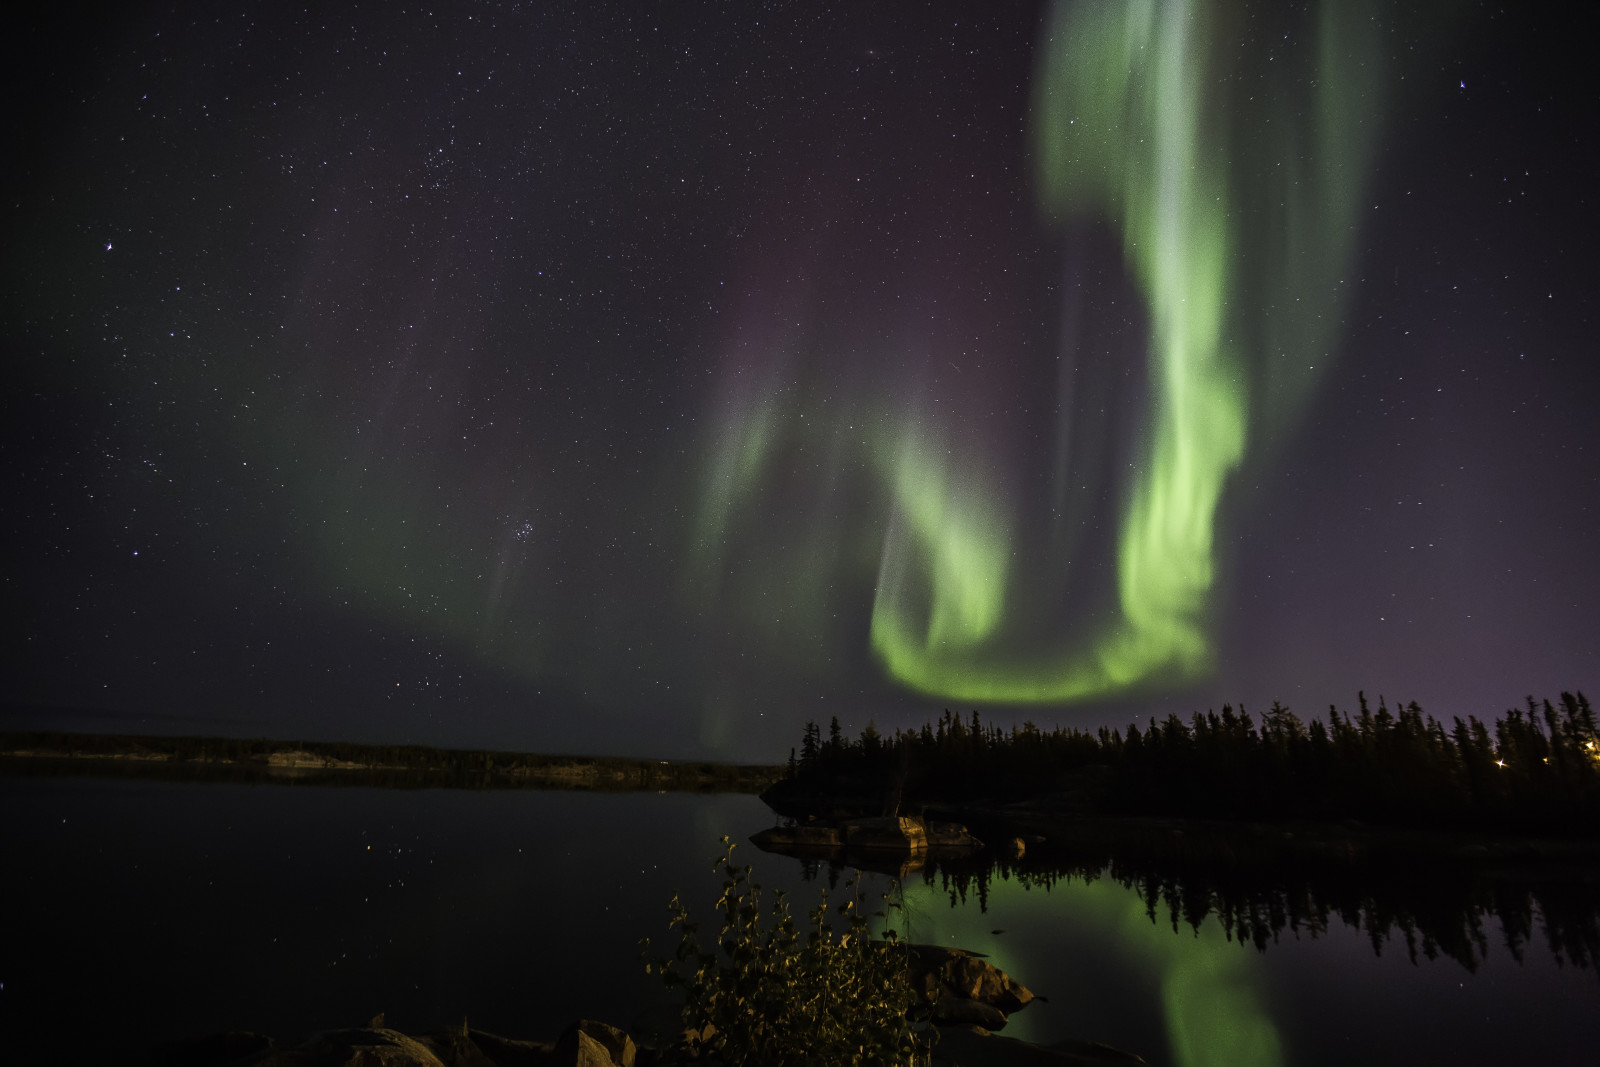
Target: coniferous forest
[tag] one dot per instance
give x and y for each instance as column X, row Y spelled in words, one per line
column 1532, row 770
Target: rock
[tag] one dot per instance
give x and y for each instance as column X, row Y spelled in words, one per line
column 581, row 1050
column 983, row 981
column 963, row 1011
column 509, row 1052
column 964, row 975
column 362, row 1047
column 459, row 1047
column 897, row 836
column 374, row 1047
column 800, row 838
column 588, row 1043
column 587, row 1039
column 951, row 836
column 901, row 835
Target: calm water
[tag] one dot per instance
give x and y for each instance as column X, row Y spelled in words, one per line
column 143, row 911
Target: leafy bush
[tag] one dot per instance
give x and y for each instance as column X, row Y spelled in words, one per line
column 763, row 995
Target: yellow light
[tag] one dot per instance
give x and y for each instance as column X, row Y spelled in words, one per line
column 1499, row 763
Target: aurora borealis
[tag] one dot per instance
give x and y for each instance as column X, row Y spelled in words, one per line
column 651, row 380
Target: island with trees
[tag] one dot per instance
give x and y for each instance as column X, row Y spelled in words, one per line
column 1532, row 771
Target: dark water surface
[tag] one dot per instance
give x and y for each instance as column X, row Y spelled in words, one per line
column 138, row 912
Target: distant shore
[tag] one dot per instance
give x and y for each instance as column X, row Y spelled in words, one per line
column 40, row 753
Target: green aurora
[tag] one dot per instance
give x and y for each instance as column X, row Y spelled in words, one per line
column 1236, row 215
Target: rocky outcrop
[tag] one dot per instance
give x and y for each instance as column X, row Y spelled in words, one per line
column 809, row 838
column 871, row 840
column 964, row 1011
column 901, row 835
column 357, row 1047
column 584, row 1044
column 588, row 1043
column 966, row 989
column 969, row 996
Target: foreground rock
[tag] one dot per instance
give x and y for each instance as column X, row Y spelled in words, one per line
column 585, row 1044
column 593, row 1044
column 964, row 988
column 896, row 844
column 970, row 997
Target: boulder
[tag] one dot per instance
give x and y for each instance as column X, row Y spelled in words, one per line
column 965, row 1041
column 951, row 837
column 508, row 1052
column 360, row 1047
column 953, row 972
column 901, row 835
column 581, row 1050
column 800, row 838
column 962, row 1011
column 372, row 1046
column 458, row 1047
column 894, row 845
column 587, row 1043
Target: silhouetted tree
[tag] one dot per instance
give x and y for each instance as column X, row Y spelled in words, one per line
column 1534, row 768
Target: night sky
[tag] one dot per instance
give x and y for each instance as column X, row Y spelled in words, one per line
column 650, row 378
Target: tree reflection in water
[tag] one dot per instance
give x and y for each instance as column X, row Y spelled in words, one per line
column 1434, row 898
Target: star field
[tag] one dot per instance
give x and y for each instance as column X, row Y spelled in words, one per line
column 649, row 380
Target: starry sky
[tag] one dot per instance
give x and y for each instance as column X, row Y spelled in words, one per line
column 651, row 378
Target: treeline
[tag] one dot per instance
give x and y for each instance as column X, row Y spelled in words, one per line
column 334, row 762
column 1532, row 769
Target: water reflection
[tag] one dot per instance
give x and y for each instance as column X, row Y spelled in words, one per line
column 1207, row 950
column 1212, row 1008
column 523, row 911
column 1433, row 907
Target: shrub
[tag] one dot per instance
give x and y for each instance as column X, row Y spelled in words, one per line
column 763, row 996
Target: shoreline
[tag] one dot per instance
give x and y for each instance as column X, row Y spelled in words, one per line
column 280, row 761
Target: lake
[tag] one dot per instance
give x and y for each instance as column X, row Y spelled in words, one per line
column 144, row 911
